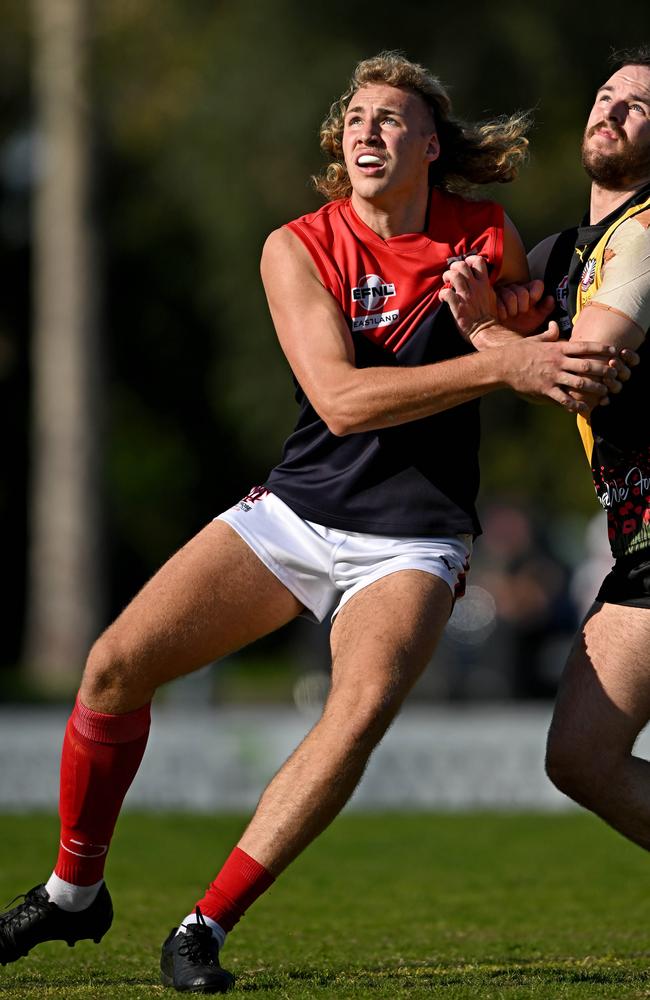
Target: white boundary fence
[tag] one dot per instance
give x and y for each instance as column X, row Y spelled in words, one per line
column 217, row 760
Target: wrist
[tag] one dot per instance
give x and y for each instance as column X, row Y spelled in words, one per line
column 488, row 332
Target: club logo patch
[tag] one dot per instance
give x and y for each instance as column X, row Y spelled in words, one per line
column 588, row 274
column 372, row 292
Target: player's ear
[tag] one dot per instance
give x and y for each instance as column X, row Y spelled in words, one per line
column 433, row 148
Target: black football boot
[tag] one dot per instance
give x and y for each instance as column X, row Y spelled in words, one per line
column 36, row 919
column 190, row 961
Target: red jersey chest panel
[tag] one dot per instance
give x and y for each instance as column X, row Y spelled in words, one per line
column 386, row 288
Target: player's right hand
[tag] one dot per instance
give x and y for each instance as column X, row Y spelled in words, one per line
column 576, row 375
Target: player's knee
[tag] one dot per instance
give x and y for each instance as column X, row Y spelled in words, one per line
column 107, row 667
column 362, row 716
column 575, row 771
column 561, row 771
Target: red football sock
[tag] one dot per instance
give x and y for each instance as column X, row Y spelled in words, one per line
column 238, row 884
column 101, row 754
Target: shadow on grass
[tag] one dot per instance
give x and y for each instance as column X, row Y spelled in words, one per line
column 628, row 973
column 602, row 972
column 88, row 981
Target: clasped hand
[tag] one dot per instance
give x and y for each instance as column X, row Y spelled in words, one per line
column 489, row 317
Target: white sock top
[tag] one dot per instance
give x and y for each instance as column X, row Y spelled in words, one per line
column 72, row 898
column 216, row 928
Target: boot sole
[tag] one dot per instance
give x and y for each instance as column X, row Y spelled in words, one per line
column 169, row 982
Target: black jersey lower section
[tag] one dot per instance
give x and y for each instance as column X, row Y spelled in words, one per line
column 418, row 479
column 628, row 583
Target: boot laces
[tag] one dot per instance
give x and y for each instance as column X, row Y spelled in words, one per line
column 34, row 904
column 199, row 946
column 13, row 920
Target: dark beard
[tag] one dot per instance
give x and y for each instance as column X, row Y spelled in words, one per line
column 616, row 171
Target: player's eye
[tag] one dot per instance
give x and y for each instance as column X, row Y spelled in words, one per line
column 638, row 107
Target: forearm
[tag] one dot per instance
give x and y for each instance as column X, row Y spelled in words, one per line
column 350, row 400
column 373, row 398
column 493, row 334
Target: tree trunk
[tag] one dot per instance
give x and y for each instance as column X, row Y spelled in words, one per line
column 65, row 572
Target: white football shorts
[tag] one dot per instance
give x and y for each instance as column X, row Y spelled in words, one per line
column 321, row 565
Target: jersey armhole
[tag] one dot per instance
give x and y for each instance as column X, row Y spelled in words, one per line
column 498, row 244
column 328, row 274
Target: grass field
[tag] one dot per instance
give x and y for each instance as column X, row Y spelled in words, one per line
column 490, row 906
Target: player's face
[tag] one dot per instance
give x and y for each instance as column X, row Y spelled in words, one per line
column 389, row 140
column 616, row 145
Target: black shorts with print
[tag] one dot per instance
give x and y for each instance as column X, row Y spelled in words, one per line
column 629, row 581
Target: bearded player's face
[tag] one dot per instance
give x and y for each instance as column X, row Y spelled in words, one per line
column 616, row 145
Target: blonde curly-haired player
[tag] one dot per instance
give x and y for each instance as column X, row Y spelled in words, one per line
column 369, row 515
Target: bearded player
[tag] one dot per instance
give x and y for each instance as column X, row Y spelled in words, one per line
column 599, row 276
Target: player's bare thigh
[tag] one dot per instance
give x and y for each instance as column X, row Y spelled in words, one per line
column 383, row 638
column 212, row 597
column 604, row 696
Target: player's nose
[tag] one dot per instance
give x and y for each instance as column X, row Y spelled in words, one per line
column 370, row 133
column 617, row 111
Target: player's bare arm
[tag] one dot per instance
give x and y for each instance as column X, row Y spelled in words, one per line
column 598, row 324
column 317, row 343
column 620, row 310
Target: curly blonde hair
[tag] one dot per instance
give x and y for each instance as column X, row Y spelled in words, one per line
column 470, row 153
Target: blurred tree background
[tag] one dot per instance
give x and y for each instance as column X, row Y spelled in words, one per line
column 203, row 131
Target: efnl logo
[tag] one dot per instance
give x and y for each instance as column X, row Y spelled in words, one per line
column 372, row 293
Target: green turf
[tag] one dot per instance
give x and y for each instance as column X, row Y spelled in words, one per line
column 490, row 906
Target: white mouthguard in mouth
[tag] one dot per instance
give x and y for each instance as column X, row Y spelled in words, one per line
column 367, row 160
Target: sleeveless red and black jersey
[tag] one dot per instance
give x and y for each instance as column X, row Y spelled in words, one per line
column 421, row 477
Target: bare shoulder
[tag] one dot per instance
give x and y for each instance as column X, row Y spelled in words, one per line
column 625, row 278
column 284, row 254
column 278, row 243
column 539, row 255
column 632, row 240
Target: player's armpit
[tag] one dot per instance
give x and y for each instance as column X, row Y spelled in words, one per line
column 538, row 257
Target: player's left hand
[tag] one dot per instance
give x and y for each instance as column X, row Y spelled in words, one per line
column 524, row 308
column 620, row 371
column 470, row 296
